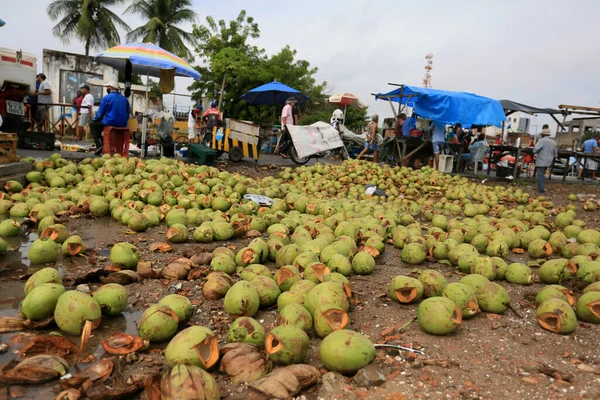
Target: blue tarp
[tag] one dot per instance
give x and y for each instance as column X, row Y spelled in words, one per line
column 449, row 107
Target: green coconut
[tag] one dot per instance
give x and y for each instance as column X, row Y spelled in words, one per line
column 247, row 330
column 112, row 298
column 484, row 266
column 492, row 298
column 554, row 292
column 223, row 263
column 287, row 344
column 254, row 270
column 329, row 318
column 463, row 297
column 346, row 351
column 195, row 346
column 405, row 289
column 519, row 274
column 44, row 275
column 363, row 263
column 433, row 283
column 325, row 293
column 177, row 233
column 180, row 304
column 340, row 263
column 124, row 255
column 10, row 228
column 413, row 253
column 556, row 315
column 158, row 323
column 439, row 315
column 73, row 309
column 588, row 307
column 290, row 297
column 267, row 289
column 286, row 276
column 556, row 270
column 73, row 246
column 242, row 300
column 296, row 315
column 43, row 251
column 41, row 301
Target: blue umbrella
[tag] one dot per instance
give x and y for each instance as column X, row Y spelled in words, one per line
column 273, row 93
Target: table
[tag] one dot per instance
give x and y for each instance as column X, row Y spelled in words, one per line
column 497, row 151
column 578, row 157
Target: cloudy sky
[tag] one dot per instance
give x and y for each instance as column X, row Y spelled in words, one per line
column 538, row 52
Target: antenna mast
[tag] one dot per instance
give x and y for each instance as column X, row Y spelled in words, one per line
column 428, row 68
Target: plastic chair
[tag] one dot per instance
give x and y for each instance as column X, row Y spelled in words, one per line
column 478, row 156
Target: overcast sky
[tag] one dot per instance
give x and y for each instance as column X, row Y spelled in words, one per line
column 543, row 53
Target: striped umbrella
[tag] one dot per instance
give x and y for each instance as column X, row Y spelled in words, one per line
column 346, row 99
column 146, row 59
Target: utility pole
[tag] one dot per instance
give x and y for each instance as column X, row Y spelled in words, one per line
column 428, row 68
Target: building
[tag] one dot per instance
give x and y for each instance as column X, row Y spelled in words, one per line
column 518, row 122
column 66, row 72
column 576, row 128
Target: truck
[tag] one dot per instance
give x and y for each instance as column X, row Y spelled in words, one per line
column 17, row 80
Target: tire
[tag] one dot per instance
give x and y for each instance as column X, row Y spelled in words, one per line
column 294, row 156
column 236, row 154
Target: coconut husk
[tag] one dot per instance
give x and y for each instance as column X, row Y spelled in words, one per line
column 283, row 383
column 122, row 343
column 35, row 369
column 177, row 270
column 243, row 362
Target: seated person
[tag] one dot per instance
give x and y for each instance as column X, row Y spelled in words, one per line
column 113, row 111
column 467, row 158
column 453, row 135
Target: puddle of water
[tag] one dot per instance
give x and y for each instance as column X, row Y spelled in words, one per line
column 125, row 323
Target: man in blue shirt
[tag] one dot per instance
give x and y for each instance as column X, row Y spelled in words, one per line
column 409, row 125
column 590, row 146
column 438, row 139
column 113, row 111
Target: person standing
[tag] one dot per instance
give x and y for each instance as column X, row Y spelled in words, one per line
column 113, row 111
column 85, row 111
column 194, row 123
column 409, row 125
column 44, row 96
column 212, row 118
column 545, row 151
column 371, row 141
column 287, row 118
column 590, row 146
column 438, row 139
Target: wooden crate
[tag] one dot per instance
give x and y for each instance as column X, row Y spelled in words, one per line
column 8, row 148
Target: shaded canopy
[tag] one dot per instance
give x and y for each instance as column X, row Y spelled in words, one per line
column 510, row 106
column 448, row 107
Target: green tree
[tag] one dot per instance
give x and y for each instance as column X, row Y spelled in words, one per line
column 225, row 52
column 162, row 28
column 232, row 66
column 90, row 21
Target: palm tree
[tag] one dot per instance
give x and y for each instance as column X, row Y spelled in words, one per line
column 163, row 16
column 88, row 20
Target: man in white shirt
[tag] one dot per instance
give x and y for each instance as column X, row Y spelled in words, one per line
column 287, row 118
column 85, row 113
column 44, row 96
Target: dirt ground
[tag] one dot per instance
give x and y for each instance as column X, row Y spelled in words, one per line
column 489, row 357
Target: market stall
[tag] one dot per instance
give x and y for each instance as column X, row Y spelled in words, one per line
column 443, row 106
